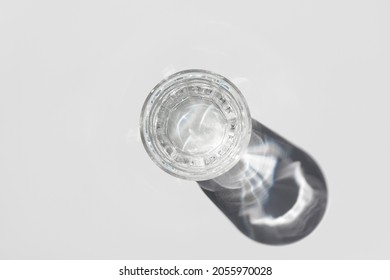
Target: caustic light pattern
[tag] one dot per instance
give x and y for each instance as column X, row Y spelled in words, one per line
column 276, row 194
column 196, row 125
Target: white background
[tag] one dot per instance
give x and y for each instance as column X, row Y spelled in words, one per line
column 75, row 181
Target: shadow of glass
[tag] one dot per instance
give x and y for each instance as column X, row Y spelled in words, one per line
column 275, row 195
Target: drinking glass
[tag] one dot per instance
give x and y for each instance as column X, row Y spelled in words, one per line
column 196, row 125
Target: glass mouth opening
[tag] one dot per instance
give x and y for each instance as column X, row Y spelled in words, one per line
column 195, row 125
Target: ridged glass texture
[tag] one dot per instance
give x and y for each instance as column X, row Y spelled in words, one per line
column 195, row 125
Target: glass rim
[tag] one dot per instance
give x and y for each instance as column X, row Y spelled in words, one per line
column 222, row 164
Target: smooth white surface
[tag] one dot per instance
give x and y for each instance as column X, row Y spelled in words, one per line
column 75, row 181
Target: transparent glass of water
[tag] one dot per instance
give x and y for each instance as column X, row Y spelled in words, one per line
column 195, row 125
